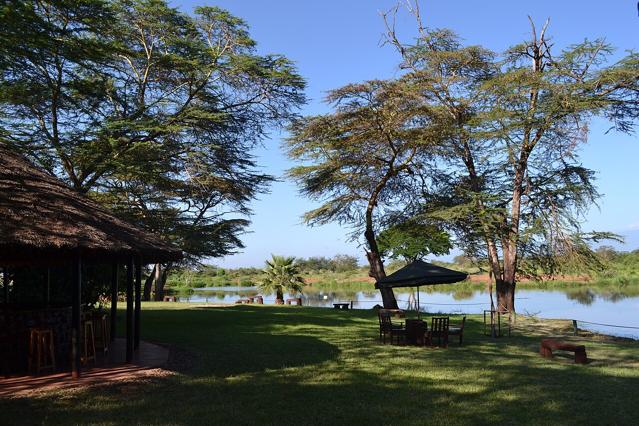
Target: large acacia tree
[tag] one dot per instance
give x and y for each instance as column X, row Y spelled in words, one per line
column 514, row 187
column 150, row 110
column 362, row 162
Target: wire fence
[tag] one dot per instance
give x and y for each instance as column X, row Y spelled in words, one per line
column 412, row 304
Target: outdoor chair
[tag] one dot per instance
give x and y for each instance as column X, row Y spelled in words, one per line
column 439, row 331
column 388, row 328
column 458, row 331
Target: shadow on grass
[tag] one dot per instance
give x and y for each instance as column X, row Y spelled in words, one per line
column 286, row 366
column 233, row 341
column 507, row 395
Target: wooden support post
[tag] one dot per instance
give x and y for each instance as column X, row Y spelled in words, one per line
column 129, row 310
column 76, row 312
column 48, row 284
column 138, row 298
column 575, row 330
column 114, row 299
column 5, row 284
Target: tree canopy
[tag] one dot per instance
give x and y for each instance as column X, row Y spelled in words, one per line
column 511, row 185
column 150, row 110
column 362, row 162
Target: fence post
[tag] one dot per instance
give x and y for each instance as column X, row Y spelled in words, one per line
column 574, row 327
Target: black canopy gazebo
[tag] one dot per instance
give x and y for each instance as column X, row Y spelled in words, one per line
column 419, row 273
column 46, row 223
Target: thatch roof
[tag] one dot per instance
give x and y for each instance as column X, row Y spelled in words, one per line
column 42, row 220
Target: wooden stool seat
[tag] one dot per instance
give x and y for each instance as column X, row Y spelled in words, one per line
column 89, row 342
column 103, row 331
column 41, row 349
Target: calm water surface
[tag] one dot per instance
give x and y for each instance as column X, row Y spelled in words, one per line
column 578, row 304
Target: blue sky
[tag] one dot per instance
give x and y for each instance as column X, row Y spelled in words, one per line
column 338, row 42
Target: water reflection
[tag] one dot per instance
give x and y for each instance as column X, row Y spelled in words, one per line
column 583, row 296
column 609, row 307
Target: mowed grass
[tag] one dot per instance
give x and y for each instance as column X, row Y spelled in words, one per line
column 291, row 365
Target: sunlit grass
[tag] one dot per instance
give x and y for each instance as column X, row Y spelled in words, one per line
column 292, row 365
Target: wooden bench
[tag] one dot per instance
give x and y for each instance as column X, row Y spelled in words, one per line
column 169, row 299
column 296, row 300
column 341, row 305
column 242, row 301
column 548, row 345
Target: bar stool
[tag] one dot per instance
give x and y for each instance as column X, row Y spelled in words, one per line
column 89, row 342
column 103, row 335
column 41, row 350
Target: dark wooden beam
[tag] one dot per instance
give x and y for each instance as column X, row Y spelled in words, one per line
column 129, row 310
column 47, row 298
column 76, row 308
column 114, row 299
column 138, row 308
column 5, row 284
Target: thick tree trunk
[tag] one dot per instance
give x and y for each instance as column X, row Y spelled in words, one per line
column 372, row 254
column 505, row 296
column 160, row 281
column 377, row 272
column 148, row 284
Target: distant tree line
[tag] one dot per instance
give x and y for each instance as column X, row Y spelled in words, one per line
column 338, row 263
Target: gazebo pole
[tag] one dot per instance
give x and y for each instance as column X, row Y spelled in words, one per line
column 48, row 283
column 5, row 284
column 114, row 298
column 76, row 299
column 138, row 290
column 129, row 310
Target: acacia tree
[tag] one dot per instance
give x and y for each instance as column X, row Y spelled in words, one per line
column 150, row 110
column 362, row 162
column 516, row 124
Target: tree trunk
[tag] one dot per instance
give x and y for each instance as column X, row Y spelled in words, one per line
column 280, row 294
column 160, row 281
column 505, row 296
column 377, row 272
column 148, row 284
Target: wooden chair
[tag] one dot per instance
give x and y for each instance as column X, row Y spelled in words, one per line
column 458, row 331
column 439, row 331
column 386, row 327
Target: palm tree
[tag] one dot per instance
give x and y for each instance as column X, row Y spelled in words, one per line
column 281, row 273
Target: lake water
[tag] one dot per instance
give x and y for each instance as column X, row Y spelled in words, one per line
column 579, row 304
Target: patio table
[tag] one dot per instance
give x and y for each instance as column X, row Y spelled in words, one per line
column 415, row 332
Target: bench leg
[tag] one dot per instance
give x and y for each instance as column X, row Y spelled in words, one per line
column 580, row 357
column 545, row 352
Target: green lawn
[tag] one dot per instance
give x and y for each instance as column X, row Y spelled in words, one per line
column 289, row 365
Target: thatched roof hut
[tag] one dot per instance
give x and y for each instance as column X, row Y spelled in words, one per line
column 42, row 220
